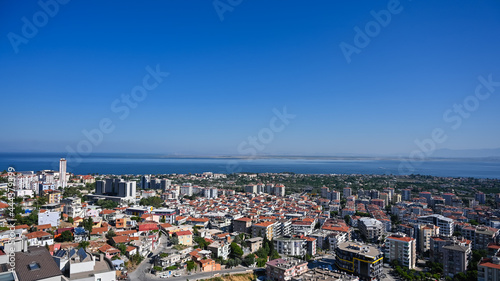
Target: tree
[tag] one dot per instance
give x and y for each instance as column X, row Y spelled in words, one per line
column 347, row 219
column 154, row 201
column 174, row 240
column 122, row 247
column 87, row 224
column 190, row 265
column 275, row 255
column 66, row 236
column 110, row 234
column 261, row 262
column 249, row 260
column 107, row 204
column 71, row 220
column 202, row 243
column 157, row 268
column 236, row 250
column 84, row 244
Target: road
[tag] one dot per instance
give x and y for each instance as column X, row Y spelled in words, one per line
column 142, row 271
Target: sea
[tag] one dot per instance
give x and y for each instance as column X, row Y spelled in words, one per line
column 119, row 164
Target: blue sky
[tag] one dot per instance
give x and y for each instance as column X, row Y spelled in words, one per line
column 226, row 77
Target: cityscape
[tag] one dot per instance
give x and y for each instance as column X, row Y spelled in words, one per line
column 262, row 140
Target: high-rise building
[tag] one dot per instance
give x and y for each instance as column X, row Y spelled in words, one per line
column 250, row 188
column 279, row 190
column 390, row 190
column 396, row 199
column 402, row 249
column 425, row 233
column 446, row 225
column 406, row 194
column 62, row 173
column 427, row 195
column 324, row 192
column 455, row 259
column 270, row 188
column 165, row 184
column 481, row 197
column 186, row 189
column 347, row 192
column 359, row 259
column 115, row 189
column 447, row 198
column 334, row 195
column 145, row 182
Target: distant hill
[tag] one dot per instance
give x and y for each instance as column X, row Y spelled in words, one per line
column 467, row 153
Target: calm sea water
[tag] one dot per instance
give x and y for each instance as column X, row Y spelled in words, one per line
column 154, row 164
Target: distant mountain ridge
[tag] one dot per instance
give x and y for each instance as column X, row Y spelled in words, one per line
column 467, row 153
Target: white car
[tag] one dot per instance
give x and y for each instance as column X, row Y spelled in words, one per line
column 176, row 275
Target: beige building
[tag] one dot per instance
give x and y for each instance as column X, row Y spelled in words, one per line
column 402, row 249
column 426, row 232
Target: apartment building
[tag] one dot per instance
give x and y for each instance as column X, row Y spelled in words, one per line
column 359, row 259
column 371, row 228
column 456, row 258
column 290, row 246
column 402, row 249
column 446, row 225
column 242, row 225
column 488, row 269
column 285, row 269
column 263, row 229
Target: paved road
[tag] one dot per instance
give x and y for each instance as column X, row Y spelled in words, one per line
column 140, row 272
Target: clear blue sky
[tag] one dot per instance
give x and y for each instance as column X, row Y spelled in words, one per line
column 227, row 76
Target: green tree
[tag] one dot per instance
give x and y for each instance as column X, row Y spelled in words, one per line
column 84, row 244
column 202, row 243
column 275, row 255
column 157, row 268
column 347, row 219
column 190, row 265
column 107, row 204
column 249, row 260
column 87, row 224
column 110, row 234
column 236, row 250
column 122, row 247
column 66, row 236
column 261, row 262
column 154, row 201
column 174, row 240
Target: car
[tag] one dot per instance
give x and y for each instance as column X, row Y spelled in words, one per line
column 176, row 275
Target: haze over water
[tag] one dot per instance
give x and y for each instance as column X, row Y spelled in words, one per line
column 157, row 164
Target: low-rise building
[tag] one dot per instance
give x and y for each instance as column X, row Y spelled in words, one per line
column 285, row 269
column 290, row 246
